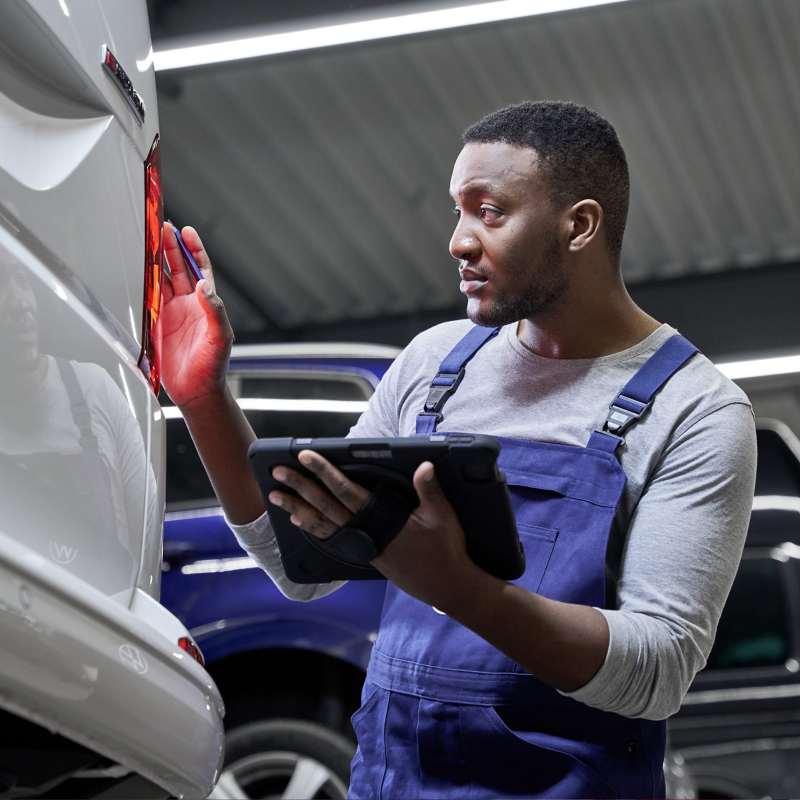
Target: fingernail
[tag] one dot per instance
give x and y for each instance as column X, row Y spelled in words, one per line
column 279, row 474
column 304, row 459
column 207, row 289
column 276, row 500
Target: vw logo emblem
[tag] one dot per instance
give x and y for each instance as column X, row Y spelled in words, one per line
column 133, row 659
column 62, row 553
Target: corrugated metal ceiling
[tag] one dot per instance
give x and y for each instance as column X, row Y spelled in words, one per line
column 319, row 180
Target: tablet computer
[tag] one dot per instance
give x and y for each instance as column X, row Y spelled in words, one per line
column 466, row 466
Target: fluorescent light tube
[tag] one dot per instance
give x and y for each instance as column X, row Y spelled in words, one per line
column 759, row 368
column 363, row 31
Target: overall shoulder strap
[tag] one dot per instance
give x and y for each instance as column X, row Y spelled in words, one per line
column 637, row 396
column 449, row 376
column 77, row 403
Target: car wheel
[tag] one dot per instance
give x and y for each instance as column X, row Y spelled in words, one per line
column 285, row 758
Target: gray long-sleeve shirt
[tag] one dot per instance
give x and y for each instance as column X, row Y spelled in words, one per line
column 679, row 530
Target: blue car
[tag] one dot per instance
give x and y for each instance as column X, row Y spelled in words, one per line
column 290, row 673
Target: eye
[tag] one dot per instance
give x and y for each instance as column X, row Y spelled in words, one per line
column 489, row 214
column 457, row 212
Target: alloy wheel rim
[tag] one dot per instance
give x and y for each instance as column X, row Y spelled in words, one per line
column 279, row 774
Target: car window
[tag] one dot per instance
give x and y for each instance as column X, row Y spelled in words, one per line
column 303, row 385
column 754, row 628
column 187, row 483
column 778, row 470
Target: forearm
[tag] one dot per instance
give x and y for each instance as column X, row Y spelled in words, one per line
column 258, row 541
column 222, row 436
column 562, row 644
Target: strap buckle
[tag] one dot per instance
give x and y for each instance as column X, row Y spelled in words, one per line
column 439, row 393
column 619, row 418
column 437, row 415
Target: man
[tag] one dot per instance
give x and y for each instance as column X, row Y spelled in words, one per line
column 633, row 518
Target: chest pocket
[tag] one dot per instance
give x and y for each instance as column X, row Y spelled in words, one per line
column 564, row 501
column 540, row 513
column 538, row 544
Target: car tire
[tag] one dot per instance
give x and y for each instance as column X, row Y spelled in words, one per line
column 285, row 758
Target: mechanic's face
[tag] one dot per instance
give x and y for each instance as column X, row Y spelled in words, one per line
column 506, row 238
column 19, row 320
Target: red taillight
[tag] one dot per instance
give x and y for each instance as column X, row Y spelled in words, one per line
column 187, row 645
column 150, row 359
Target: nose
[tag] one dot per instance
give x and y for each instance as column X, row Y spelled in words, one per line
column 464, row 244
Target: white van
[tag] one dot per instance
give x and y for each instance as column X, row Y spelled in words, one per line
column 99, row 683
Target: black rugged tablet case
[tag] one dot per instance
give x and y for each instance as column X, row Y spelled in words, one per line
column 466, row 466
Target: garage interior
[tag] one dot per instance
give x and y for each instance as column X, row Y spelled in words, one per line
column 318, row 179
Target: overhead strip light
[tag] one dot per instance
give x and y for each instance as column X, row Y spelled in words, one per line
column 363, row 31
column 760, row 368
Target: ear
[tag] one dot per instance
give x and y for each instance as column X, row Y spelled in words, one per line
column 585, row 218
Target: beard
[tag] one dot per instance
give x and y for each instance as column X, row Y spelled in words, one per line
column 533, row 291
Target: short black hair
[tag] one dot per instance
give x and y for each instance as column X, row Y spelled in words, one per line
column 581, row 155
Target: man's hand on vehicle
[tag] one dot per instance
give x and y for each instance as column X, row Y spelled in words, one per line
column 197, row 336
column 195, row 349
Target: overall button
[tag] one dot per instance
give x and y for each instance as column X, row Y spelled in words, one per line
column 632, row 748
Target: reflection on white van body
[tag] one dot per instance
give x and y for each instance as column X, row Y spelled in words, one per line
column 87, row 650
column 69, row 435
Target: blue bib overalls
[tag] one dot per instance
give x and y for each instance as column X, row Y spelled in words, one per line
column 445, row 714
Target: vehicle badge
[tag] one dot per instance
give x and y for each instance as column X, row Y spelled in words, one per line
column 123, row 83
column 133, row 659
column 62, row 553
